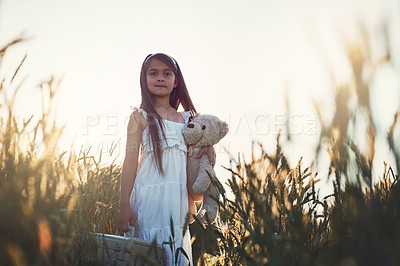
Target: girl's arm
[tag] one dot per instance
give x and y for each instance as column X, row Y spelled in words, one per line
column 129, row 169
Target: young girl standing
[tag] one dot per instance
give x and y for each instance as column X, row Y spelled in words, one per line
column 153, row 185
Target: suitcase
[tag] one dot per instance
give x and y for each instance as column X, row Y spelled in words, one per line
column 122, row 250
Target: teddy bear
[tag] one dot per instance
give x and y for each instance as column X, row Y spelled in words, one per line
column 203, row 130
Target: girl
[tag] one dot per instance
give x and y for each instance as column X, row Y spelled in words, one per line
column 153, row 188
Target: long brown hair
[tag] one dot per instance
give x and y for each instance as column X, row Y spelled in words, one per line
column 179, row 95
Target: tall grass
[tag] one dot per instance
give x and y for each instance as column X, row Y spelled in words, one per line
column 277, row 215
column 48, row 198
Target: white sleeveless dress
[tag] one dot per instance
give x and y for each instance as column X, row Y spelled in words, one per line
column 155, row 199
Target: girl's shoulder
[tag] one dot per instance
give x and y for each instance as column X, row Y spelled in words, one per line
column 139, row 116
column 138, row 112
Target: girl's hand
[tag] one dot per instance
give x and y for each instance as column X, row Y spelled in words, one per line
column 125, row 218
column 210, row 151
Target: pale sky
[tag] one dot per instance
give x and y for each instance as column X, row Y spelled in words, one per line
column 237, row 57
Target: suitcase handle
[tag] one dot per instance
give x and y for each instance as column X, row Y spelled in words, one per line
column 130, row 233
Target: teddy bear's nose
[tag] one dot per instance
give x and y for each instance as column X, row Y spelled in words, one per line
column 190, row 125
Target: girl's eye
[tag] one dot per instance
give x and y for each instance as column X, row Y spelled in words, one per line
column 168, row 74
column 153, row 73
column 203, row 127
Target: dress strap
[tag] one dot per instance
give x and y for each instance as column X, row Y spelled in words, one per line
column 140, row 110
column 186, row 115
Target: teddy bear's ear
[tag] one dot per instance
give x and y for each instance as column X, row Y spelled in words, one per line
column 223, row 129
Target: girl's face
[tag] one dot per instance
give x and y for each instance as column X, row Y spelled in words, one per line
column 161, row 80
